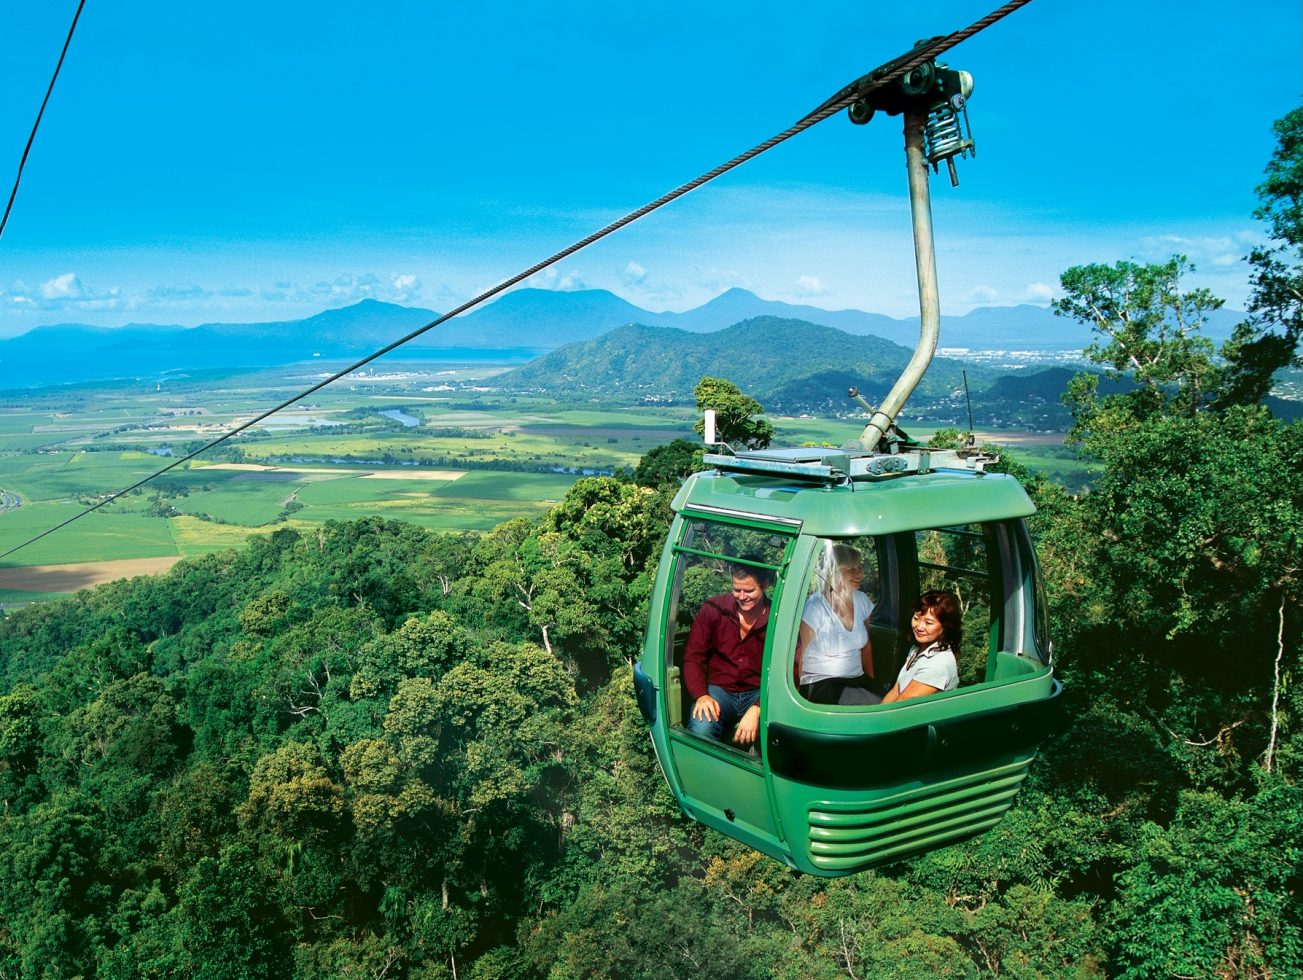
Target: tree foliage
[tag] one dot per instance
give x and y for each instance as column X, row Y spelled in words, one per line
column 735, row 415
column 1269, row 339
column 670, row 464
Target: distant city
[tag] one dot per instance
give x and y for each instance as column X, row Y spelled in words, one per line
column 1014, row 360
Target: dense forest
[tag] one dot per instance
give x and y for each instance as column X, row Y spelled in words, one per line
column 376, row 751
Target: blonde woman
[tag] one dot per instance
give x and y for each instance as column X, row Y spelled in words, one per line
column 834, row 652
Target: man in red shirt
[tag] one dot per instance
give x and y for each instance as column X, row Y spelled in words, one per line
column 721, row 664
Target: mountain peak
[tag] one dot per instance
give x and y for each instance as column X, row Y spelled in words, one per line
column 370, row 303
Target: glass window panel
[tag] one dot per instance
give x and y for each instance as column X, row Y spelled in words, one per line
column 955, row 559
column 842, row 596
column 706, row 556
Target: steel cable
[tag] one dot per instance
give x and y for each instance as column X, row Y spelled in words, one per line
column 37, row 125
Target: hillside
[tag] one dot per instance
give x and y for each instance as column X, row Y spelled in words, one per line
column 792, row 366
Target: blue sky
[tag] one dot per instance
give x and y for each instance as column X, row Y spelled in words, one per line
column 251, row 161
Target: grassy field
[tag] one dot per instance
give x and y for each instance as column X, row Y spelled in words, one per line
column 102, row 535
column 484, row 485
column 21, row 597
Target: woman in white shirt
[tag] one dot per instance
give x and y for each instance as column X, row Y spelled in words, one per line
column 834, row 654
column 930, row 666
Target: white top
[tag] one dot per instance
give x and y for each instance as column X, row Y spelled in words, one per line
column 934, row 666
column 834, row 650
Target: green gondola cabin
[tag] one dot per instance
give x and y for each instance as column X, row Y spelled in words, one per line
column 834, row 789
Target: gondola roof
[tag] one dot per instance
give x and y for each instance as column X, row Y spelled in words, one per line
column 951, row 493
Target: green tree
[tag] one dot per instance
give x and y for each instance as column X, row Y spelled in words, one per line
column 294, row 817
column 52, row 888
column 292, row 797
column 577, row 581
column 420, row 647
column 1149, row 333
column 226, row 927
column 1211, row 894
column 735, row 414
column 20, row 746
column 196, row 815
column 669, row 464
column 1269, row 339
column 443, row 563
column 620, row 820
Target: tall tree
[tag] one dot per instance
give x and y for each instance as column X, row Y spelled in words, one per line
column 669, row 464
column 1269, row 340
column 735, row 414
column 1148, row 331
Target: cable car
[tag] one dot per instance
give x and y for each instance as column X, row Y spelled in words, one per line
column 832, row 789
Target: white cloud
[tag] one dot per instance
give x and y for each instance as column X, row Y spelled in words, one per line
column 1038, row 292
column 633, row 274
column 177, row 293
column 808, row 286
column 982, row 295
column 63, row 292
column 66, row 286
column 719, row 280
column 1219, row 251
column 560, row 280
column 278, row 291
column 404, row 288
column 347, row 288
column 188, row 296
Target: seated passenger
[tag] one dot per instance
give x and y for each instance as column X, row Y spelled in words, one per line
column 834, row 654
column 931, row 666
column 721, row 664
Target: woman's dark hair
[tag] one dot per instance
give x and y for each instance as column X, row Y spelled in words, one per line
column 763, row 576
column 945, row 607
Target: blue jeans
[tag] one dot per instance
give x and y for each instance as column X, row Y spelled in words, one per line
column 732, row 706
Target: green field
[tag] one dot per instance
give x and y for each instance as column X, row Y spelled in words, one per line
column 104, row 535
column 486, row 485
column 475, row 461
column 17, row 597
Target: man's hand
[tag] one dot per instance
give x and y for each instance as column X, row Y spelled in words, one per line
column 748, row 727
column 705, row 708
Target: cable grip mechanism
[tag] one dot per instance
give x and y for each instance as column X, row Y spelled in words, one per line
column 940, row 94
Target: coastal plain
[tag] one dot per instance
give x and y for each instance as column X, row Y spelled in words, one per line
column 438, row 448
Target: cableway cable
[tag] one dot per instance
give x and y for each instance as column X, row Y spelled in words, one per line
column 37, row 125
column 861, row 87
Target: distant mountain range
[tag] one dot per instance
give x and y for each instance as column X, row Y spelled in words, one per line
column 537, row 319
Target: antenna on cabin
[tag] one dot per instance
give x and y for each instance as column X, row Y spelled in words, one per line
column 931, row 97
column 708, row 434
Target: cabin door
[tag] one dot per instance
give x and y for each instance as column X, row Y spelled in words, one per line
column 724, row 782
